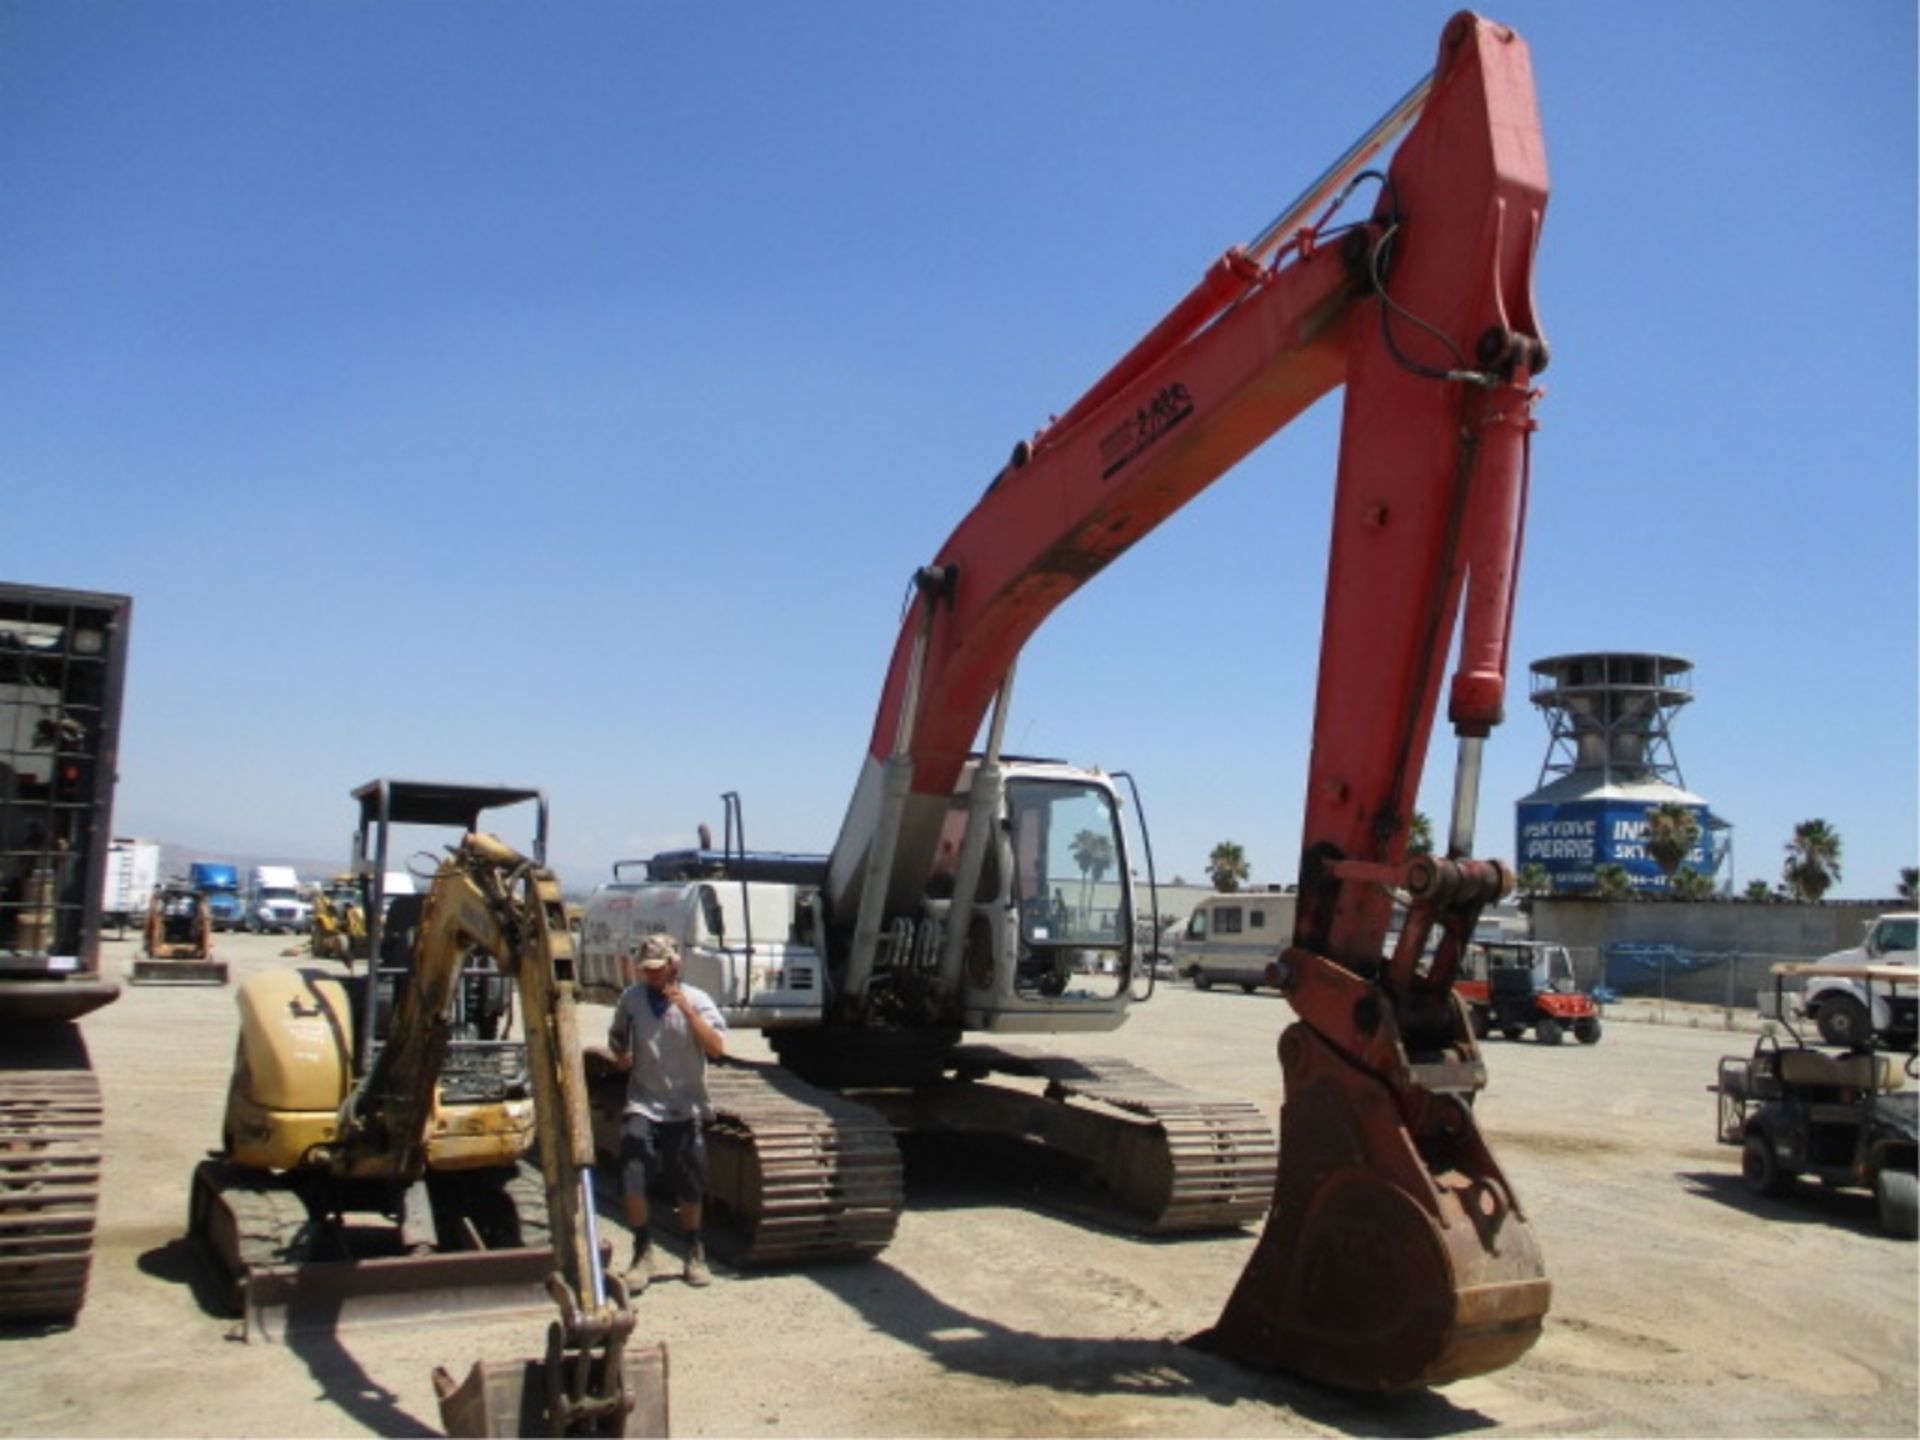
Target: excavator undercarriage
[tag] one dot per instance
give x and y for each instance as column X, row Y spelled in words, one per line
column 800, row 1173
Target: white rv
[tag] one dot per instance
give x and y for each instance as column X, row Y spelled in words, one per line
column 1230, row 939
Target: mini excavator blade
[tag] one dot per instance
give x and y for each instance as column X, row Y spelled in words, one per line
column 1389, row 1261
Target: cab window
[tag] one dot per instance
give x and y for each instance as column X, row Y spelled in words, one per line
column 1892, row 935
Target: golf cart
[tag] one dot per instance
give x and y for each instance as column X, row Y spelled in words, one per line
column 1516, row 985
column 1849, row 1119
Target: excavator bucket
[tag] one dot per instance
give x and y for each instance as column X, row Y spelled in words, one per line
column 523, row 1397
column 1385, row 1264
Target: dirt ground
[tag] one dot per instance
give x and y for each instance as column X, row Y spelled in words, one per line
column 1681, row 1305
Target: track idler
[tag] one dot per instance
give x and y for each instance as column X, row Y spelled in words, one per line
column 1395, row 1255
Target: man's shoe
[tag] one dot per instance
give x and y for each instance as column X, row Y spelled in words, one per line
column 697, row 1272
column 639, row 1273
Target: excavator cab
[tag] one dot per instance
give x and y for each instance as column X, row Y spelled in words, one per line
column 1049, row 933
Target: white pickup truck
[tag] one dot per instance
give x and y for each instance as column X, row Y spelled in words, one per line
column 1839, row 1007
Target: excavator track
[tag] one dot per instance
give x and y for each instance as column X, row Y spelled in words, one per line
column 284, row 1273
column 1154, row 1157
column 795, row 1174
column 802, row 1174
column 51, row 1123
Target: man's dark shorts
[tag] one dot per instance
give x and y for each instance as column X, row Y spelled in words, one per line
column 669, row 1155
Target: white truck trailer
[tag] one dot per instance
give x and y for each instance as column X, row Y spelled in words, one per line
column 133, row 870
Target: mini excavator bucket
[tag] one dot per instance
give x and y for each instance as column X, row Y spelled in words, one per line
column 524, row 1397
column 589, row 1383
column 1388, row 1262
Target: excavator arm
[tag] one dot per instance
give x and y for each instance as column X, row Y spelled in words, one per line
column 487, row 897
column 1396, row 1253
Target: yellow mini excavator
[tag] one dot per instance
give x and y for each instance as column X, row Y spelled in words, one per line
column 395, row 1144
column 339, row 928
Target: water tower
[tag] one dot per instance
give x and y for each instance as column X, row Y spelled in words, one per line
column 1609, row 757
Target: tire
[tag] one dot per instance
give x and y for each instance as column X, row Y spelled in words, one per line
column 1482, row 1022
column 1201, row 980
column 1843, row 1020
column 1513, row 1032
column 1587, row 1031
column 1247, row 987
column 1760, row 1167
column 1548, row 1031
column 1898, row 1195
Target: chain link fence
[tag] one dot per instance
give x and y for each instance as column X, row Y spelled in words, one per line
column 1739, row 982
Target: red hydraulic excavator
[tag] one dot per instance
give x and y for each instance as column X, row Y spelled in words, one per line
column 963, row 895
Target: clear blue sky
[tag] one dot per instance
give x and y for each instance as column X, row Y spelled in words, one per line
column 564, row 395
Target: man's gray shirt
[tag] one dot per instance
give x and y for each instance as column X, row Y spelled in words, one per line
column 668, row 1080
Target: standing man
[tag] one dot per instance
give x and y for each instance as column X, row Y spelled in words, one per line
column 663, row 1034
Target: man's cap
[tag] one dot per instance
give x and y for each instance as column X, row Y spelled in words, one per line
column 657, row 952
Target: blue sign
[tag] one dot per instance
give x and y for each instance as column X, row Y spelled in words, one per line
column 1571, row 840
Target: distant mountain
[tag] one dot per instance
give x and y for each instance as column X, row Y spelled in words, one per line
column 174, row 860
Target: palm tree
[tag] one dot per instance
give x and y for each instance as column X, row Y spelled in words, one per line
column 1910, row 883
column 1535, row 880
column 1227, row 866
column 1813, row 860
column 1420, row 834
column 1672, row 832
column 1758, row 890
column 1093, row 853
column 1690, row 885
column 1610, row 882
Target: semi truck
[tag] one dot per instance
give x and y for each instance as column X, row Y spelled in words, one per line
column 274, row 903
column 63, row 659
column 220, row 883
